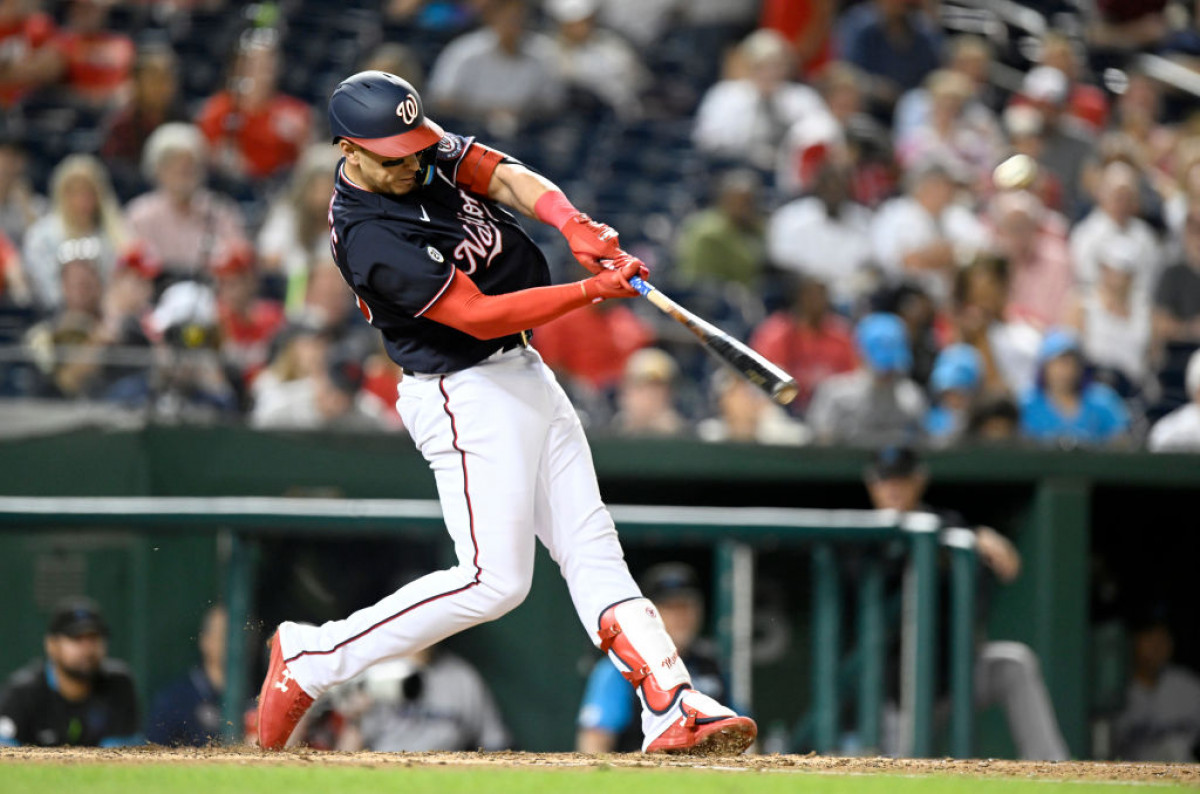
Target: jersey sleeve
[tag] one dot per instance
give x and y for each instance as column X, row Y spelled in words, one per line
column 398, row 269
column 469, row 163
column 607, row 701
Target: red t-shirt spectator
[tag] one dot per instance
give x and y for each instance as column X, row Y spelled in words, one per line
column 266, row 139
column 246, row 338
column 593, row 343
column 99, row 64
column 806, row 24
column 808, row 354
column 19, row 39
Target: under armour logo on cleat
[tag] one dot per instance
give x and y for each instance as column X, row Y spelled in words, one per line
column 287, row 676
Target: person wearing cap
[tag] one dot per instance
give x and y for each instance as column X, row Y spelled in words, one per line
column 1179, row 431
column 594, row 60
column 924, row 235
column 247, row 322
column 955, row 383
column 1065, row 406
column 1112, row 322
column 502, row 75
column 607, row 720
column 646, row 396
column 1161, row 717
column 1006, row 673
column 74, row 695
column 1066, row 142
column 877, row 403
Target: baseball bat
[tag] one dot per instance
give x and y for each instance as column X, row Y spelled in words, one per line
column 756, row 368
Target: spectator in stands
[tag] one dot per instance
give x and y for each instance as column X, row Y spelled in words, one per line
column 808, row 340
column 247, row 322
column 1138, row 114
column 971, row 57
column 298, row 352
column 607, row 719
column 1161, row 720
column 181, row 222
column 746, row 415
column 1006, row 673
column 99, row 61
column 28, row 58
column 877, row 403
column 1179, row 431
column 1177, row 296
column 894, row 42
column 432, row 700
column 128, row 299
column 85, row 222
column 645, row 397
column 1128, row 26
column 1026, row 129
column 20, row 204
column 62, row 344
column 328, row 305
column 724, row 244
column 1008, row 346
column 956, row 128
column 154, row 101
column 75, row 695
column 954, row 384
column 295, row 233
column 1033, row 240
column 993, row 420
column 190, row 385
column 826, row 235
column 1113, row 323
column 807, row 25
column 1064, row 406
column 255, row 132
column 595, row 61
column 395, row 59
column 503, row 75
column 645, row 23
column 329, row 400
column 1115, row 216
column 924, row 235
column 187, row 711
column 1181, row 192
column 591, row 372
column 1066, row 144
column 745, row 120
column 1085, row 102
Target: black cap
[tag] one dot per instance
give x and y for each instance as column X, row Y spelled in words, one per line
column 671, row 580
column 893, row 462
column 77, row 617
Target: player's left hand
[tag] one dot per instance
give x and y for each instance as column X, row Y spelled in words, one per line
column 593, row 243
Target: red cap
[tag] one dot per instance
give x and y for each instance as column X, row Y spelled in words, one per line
column 138, row 259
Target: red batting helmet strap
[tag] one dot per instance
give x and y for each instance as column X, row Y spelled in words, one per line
column 633, row 632
column 404, row 144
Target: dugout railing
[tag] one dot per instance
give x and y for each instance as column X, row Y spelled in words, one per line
column 241, row 522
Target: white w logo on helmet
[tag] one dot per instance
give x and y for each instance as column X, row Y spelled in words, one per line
column 408, row 109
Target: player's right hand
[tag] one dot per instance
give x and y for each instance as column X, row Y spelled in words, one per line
column 591, row 242
column 614, row 283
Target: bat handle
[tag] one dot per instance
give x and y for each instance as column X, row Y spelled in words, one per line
column 641, row 285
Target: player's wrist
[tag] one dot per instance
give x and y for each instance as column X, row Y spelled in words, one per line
column 554, row 209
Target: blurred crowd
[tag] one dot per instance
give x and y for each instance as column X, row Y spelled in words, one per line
column 816, row 177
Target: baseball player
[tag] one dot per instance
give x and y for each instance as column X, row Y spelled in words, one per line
column 422, row 229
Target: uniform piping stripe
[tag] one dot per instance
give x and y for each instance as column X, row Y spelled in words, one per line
column 474, row 544
column 439, row 294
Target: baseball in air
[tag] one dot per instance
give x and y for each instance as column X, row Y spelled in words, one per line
column 1016, row 173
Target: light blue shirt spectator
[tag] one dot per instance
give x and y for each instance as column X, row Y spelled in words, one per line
column 1098, row 415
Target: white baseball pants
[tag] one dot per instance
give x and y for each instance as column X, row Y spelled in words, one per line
column 512, row 464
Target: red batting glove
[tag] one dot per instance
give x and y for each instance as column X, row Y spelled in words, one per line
column 624, row 259
column 612, row 283
column 592, row 242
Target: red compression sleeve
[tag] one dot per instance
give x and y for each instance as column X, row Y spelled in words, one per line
column 476, row 168
column 554, row 208
column 464, row 307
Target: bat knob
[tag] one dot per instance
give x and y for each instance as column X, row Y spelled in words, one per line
column 785, row 392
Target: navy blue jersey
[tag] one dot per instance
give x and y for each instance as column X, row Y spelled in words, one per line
column 399, row 254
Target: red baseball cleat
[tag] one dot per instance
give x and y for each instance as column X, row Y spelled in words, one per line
column 281, row 703
column 704, row 727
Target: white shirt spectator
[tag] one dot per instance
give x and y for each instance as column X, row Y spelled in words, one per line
column 1178, row 431
column 1014, row 348
column 606, row 66
column 1163, row 723
column 903, row 225
column 1097, row 231
column 474, row 76
column 1120, row 343
column 801, row 236
column 734, row 120
column 47, row 249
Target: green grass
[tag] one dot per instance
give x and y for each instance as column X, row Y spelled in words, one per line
column 205, row 779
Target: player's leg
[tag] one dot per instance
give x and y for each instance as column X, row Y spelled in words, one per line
column 1009, row 673
column 482, row 431
column 578, row 531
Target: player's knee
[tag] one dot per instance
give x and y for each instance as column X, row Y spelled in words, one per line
column 505, row 595
column 1018, row 661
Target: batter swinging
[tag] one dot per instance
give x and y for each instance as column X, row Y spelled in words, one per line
column 421, row 231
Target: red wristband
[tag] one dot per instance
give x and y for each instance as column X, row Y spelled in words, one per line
column 554, row 208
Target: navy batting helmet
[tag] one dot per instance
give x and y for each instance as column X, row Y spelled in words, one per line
column 381, row 113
